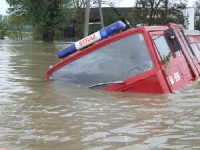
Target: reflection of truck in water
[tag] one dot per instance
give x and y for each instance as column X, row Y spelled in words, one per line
column 150, row 59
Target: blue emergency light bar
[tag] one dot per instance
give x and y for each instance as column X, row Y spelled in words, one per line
column 111, row 29
column 103, row 33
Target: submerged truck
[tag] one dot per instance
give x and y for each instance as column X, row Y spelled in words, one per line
column 149, row 59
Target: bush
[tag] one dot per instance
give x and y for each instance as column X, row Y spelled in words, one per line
column 37, row 35
column 58, row 35
column 2, row 34
column 80, row 31
column 197, row 26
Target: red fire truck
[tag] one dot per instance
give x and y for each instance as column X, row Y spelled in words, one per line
column 150, row 59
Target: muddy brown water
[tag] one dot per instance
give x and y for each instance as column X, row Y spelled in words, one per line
column 35, row 115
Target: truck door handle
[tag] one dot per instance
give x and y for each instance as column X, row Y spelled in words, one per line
column 184, row 73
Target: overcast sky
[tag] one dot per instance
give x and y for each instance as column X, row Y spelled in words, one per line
column 125, row 3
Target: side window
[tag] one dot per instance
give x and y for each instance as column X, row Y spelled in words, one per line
column 186, row 43
column 163, row 52
column 196, row 50
column 198, row 44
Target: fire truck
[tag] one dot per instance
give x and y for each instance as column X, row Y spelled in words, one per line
column 149, row 59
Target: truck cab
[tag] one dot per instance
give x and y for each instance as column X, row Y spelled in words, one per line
column 145, row 59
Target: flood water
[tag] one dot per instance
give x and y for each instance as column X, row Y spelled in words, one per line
column 35, row 115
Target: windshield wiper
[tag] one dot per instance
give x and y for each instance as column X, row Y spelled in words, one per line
column 106, row 83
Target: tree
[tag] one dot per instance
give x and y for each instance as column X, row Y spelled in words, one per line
column 146, row 11
column 16, row 25
column 2, row 27
column 44, row 15
column 176, row 15
column 2, row 22
column 80, row 6
column 159, row 12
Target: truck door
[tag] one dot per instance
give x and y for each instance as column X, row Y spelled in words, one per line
column 187, row 50
column 171, row 60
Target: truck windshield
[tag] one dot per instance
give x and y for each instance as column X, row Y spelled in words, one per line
column 117, row 61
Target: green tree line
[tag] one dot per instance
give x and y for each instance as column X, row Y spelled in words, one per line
column 45, row 16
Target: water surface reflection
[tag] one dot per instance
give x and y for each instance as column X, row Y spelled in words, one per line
column 40, row 116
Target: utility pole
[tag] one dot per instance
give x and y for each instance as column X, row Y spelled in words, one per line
column 87, row 15
column 101, row 14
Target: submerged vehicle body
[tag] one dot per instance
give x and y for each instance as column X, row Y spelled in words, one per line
column 149, row 59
